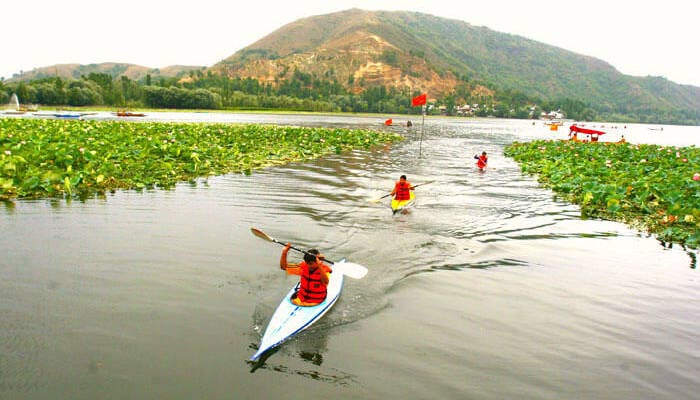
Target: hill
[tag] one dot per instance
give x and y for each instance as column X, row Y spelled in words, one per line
column 359, row 49
column 115, row 70
column 373, row 61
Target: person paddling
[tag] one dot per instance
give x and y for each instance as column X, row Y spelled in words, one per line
column 402, row 189
column 314, row 276
column 482, row 160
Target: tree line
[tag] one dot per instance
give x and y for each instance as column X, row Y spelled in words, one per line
column 304, row 92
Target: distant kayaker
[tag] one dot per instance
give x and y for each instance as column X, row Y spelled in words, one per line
column 314, row 277
column 481, row 160
column 402, row 189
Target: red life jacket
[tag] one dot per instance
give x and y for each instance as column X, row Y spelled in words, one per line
column 403, row 190
column 311, row 288
column 482, row 160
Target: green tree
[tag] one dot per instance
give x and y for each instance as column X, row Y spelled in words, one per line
column 22, row 92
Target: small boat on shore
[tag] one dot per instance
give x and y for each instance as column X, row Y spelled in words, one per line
column 67, row 115
column 556, row 122
column 124, row 113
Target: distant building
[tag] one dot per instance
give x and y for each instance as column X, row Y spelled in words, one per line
column 464, row 110
column 552, row 115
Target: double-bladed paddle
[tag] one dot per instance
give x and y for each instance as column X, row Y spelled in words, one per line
column 387, row 195
column 355, row 271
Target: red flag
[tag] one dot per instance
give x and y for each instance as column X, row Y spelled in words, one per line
column 388, row 122
column 419, row 100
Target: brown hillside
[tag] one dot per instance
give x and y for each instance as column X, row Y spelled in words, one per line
column 419, row 52
column 340, row 46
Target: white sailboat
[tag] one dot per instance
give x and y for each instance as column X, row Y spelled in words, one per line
column 13, row 105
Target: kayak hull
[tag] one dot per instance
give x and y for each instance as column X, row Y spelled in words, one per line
column 290, row 319
column 399, row 205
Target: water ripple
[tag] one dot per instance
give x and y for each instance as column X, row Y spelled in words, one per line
column 142, row 288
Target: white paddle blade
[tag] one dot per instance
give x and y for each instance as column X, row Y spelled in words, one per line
column 261, row 234
column 355, row 271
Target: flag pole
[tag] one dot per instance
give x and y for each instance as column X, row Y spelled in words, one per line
column 421, row 100
column 420, row 145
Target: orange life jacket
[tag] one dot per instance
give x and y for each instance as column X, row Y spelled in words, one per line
column 403, row 190
column 311, row 288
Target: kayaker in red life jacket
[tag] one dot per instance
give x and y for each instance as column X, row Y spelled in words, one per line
column 482, row 160
column 402, row 189
column 314, row 277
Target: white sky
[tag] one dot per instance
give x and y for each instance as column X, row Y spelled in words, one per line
column 638, row 38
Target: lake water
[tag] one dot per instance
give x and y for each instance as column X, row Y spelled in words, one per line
column 489, row 288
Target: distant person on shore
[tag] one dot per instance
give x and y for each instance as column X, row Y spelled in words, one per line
column 481, row 160
column 622, row 139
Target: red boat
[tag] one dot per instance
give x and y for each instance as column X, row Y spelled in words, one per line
column 573, row 129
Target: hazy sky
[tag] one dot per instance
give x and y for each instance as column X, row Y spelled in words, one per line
column 640, row 38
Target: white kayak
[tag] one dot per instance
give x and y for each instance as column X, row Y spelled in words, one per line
column 290, row 319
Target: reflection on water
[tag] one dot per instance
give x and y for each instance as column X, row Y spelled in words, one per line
column 165, row 294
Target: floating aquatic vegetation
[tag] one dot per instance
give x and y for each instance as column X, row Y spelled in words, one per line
column 647, row 186
column 58, row 158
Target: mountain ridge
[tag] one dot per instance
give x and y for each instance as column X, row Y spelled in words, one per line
column 114, row 69
column 452, row 60
column 449, row 49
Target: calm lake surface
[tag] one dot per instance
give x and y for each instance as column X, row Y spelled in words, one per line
column 489, row 288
